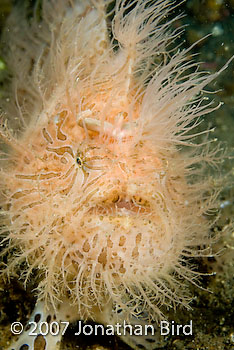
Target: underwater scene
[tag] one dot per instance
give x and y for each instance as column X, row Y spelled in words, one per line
column 116, row 174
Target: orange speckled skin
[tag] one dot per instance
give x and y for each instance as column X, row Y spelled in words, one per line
column 82, row 201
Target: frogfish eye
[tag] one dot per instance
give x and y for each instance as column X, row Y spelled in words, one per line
column 79, row 161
